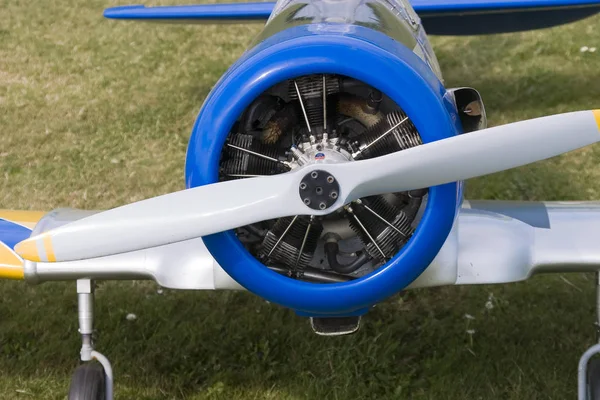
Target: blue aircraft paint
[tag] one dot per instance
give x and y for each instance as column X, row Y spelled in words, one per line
column 240, row 11
column 11, row 233
column 262, row 11
column 440, row 17
column 456, row 6
column 345, row 50
column 517, row 19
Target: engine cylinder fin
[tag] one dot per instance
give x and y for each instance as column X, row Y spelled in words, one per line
column 311, row 90
column 311, row 86
column 375, row 142
column 284, row 240
column 240, row 163
column 387, row 238
column 406, row 134
column 314, row 110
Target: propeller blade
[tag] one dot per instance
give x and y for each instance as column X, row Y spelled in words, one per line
column 218, row 207
column 168, row 218
column 469, row 155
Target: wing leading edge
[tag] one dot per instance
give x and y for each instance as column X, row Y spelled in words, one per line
column 441, row 17
column 199, row 12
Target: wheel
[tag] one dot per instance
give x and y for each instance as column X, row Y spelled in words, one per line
column 87, row 383
column 593, row 378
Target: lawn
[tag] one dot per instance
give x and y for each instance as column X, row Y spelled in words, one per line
column 97, row 113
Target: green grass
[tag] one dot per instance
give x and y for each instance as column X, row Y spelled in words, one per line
column 96, row 113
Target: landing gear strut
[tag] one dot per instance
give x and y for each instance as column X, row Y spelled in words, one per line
column 90, row 381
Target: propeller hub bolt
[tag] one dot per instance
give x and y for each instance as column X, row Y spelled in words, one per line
column 319, row 190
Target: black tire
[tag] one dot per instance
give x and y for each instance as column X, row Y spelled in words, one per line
column 88, row 383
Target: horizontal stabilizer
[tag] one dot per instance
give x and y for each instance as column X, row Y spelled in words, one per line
column 442, row 17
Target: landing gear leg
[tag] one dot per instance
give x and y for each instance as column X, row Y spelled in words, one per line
column 588, row 379
column 90, row 381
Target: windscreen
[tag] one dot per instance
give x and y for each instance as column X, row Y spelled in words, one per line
column 395, row 18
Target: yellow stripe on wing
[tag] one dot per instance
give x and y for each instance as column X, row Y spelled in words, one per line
column 27, row 219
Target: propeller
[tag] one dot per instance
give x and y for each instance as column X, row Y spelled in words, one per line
column 221, row 206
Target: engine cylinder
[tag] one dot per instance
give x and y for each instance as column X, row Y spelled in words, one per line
column 393, row 133
column 240, row 160
column 292, row 241
column 382, row 227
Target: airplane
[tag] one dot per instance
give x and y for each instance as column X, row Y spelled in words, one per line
column 325, row 173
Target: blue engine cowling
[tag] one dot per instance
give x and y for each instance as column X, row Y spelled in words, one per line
column 369, row 55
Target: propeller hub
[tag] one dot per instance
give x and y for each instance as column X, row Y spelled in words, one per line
column 319, row 190
column 319, row 151
column 326, row 155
